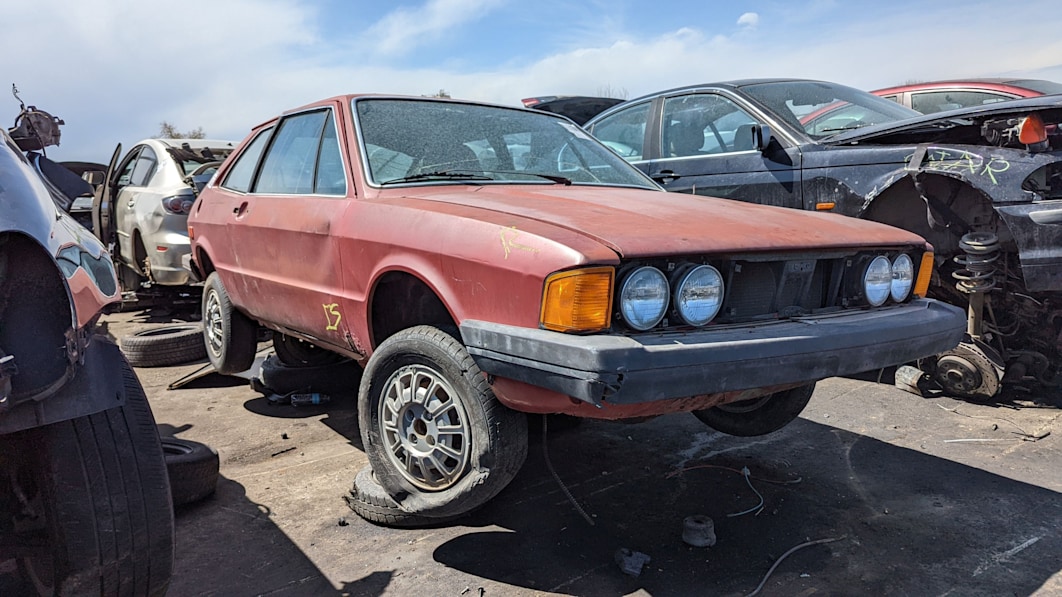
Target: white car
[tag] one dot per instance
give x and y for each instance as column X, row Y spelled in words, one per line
column 142, row 209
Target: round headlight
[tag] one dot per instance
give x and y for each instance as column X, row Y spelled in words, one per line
column 699, row 294
column 643, row 298
column 877, row 281
column 902, row 277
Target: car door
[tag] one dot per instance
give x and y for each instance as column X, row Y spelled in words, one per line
column 706, row 144
column 134, row 203
column 285, row 261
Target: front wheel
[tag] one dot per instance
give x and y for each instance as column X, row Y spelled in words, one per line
column 230, row 336
column 438, row 440
column 99, row 487
column 757, row 416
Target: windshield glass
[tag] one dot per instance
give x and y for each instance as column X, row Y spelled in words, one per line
column 824, row 109
column 411, row 141
column 1039, row 85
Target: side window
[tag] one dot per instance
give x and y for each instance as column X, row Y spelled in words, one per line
column 125, row 171
column 893, row 98
column 704, row 124
column 144, row 168
column 239, row 176
column 928, row 102
column 289, row 166
column 624, row 132
column 331, row 177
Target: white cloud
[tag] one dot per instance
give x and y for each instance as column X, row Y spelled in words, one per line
column 749, row 19
column 405, row 29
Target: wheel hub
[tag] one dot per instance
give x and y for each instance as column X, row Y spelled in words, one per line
column 425, row 427
column 213, row 326
column 958, row 375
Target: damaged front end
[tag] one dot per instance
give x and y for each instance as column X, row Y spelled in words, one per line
column 986, row 190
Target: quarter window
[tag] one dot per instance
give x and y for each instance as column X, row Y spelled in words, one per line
column 241, row 173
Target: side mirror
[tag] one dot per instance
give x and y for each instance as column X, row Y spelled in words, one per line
column 761, row 137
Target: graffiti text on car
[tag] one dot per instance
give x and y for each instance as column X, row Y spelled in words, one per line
column 951, row 160
column 509, row 244
column 333, row 315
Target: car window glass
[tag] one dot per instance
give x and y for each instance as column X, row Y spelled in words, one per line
column 290, row 162
column 624, row 131
column 702, row 124
column 144, row 168
column 125, row 171
column 331, row 177
column 928, row 102
column 241, row 173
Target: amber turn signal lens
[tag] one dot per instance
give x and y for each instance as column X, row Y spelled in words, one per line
column 578, row 300
column 1032, row 130
column 925, row 273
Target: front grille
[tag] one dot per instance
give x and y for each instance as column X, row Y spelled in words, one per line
column 761, row 288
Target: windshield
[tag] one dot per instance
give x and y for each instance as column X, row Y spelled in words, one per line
column 825, row 109
column 412, row 141
column 1039, row 85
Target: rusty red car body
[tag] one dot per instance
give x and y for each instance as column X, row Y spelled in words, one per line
column 471, row 244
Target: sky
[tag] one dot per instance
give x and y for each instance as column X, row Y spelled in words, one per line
column 114, row 70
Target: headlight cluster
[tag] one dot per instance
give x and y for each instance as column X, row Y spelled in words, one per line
column 883, row 279
column 695, row 291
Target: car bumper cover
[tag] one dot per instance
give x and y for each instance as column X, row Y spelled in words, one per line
column 619, row 369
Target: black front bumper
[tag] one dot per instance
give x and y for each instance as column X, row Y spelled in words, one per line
column 660, row 366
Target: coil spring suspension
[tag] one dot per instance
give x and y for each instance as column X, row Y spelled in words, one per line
column 977, row 275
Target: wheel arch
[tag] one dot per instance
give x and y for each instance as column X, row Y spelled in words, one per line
column 965, row 208
column 400, row 299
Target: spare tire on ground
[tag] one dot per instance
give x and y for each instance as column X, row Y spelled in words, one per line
column 166, row 345
column 192, row 468
column 336, row 378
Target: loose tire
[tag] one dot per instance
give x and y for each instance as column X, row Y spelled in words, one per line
column 164, row 346
column 230, row 336
column 439, row 442
column 369, row 501
column 192, row 468
column 102, row 484
column 298, row 353
column 757, row 416
column 338, row 378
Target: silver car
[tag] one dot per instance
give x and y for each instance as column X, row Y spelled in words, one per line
column 142, row 209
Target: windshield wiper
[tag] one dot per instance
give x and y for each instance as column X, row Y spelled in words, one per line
column 440, row 175
column 844, row 128
column 557, row 179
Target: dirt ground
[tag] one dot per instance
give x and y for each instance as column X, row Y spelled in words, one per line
column 904, row 495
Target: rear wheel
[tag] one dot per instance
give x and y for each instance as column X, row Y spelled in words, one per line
column 103, row 502
column 438, row 440
column 230, row 336
column 757, row 416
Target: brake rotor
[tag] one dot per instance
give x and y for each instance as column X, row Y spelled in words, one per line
column 966, row 372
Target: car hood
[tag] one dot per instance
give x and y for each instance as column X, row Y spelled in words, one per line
column 962, row 125
column 644, row 223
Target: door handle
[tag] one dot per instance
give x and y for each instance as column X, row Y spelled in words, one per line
column 241, row 210
column 664, row 174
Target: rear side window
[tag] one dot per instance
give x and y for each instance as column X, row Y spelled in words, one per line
column 144, row 168
column 241, row 173
column 938, row 101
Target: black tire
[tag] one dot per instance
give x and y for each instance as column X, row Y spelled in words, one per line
column 192, row 468
column 230, row 337
column 299, row 353
column 489, row 440
column 105, row 496
column 369, row 501
column 757, row 416
column 337, row 378
column 163, row 346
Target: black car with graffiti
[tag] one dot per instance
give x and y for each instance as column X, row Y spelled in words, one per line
column 982, row 184
column 85, row 505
